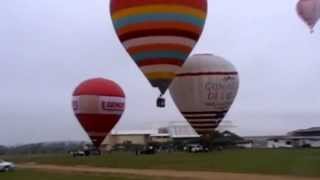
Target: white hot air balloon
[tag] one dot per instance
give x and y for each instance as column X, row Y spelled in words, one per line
column 309, row 12
column 204, row 90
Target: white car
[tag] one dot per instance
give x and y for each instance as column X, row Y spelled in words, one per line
column 6, row 166
column 78, row 153
column 194, row 148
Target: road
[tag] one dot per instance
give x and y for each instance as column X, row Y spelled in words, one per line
column 199, row 175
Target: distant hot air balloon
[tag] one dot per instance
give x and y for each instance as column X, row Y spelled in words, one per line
column 204, row 90
column 309, row 11
column 98, row 104
column 159, row 34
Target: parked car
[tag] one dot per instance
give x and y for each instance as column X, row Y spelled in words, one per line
column 195, row 148
column 148, row 150
column 6, row 166
column 77, row 153
column 94, row 152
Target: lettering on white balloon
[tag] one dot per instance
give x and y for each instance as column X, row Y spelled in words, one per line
column 220, row 93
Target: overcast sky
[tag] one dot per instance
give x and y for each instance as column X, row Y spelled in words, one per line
column 48, row 47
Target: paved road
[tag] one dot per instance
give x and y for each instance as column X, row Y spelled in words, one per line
column 200, row 175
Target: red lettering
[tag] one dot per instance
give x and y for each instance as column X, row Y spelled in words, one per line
column 75, row 105
column 112, row 105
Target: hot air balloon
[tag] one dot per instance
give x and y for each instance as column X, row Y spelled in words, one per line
column 98, row 105
column 159, row 35
column 309, row 11
column 204, row 90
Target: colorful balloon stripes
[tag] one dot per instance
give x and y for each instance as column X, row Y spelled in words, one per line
column 159, row 34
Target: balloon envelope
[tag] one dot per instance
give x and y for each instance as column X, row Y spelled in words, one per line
column 98, row 104
column 159, row 34
column 309, row 12
column 204, row 90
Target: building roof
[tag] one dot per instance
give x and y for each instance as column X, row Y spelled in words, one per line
column 313, row 129
column 160, row 135
column 289, row 137
column 133, row 132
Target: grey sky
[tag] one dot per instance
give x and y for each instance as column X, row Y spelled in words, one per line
column 48, row 47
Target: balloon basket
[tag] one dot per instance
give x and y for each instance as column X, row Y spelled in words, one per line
column 161, row 102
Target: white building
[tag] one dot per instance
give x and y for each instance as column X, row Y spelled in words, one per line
column 181, row 130
column 177, row 130
column 279, row 142
column 140, row 137
column 295, row 139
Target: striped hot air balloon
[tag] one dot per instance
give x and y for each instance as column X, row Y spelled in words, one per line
column 204, row 90
column 159, row 34
column 309, row 12
column 98, row 104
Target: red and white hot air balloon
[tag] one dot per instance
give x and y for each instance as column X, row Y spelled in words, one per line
column 309, row 11
column 98, row 104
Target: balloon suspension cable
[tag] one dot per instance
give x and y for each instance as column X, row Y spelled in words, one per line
column 161, row 102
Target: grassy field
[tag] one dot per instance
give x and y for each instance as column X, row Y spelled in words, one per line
column 40, row 175
column 301, row 162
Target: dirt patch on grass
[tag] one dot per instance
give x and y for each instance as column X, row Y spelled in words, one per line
column 161, row 173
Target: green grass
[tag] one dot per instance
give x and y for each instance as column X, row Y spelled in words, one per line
column 41, row 175
column 303, row 162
